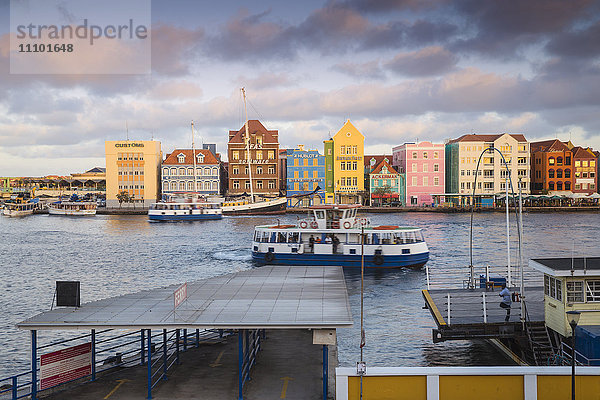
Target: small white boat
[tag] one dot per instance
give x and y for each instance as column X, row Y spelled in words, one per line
column 194, row 211
column 331, row 235
column 74, row 208
column 257, row 207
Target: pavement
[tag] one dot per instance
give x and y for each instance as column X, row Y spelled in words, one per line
column 288, row 366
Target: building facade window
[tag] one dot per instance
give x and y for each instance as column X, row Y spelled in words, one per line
column 236, row 184
column 552, row 287
column 271, row 170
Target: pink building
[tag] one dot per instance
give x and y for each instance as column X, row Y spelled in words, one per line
column 423, row 163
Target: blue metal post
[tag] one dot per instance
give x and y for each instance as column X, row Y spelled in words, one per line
column 15, row 390
column 325, row 370
column 177, row 345
column 93, row 355
column 33, row 365
column 247, row 358
column 142, row 348
column 240, row 363
column 197, row 337
column 184, row 339
column 149, row 364
column 164, row 354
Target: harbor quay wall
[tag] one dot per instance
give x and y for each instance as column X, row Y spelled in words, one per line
column 467, row 383
column 451, row 210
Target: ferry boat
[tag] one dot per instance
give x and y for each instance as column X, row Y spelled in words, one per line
column 20, row 205
column 74, row 208
column 331, row 236
column 184, row 207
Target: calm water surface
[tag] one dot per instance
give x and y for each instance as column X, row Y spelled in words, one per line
column 113, row 255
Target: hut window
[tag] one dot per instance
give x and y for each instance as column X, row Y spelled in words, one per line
column 592, row 291
column 575, row 292
column 553, row 287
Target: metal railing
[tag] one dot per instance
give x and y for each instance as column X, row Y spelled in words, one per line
column 111, row 351
column 457, row 279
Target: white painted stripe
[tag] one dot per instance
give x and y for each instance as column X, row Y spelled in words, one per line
column 433, row 387
column 341, row 386
column 487, row 371
column 530, row 387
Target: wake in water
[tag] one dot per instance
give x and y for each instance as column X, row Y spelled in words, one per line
column 233, row 255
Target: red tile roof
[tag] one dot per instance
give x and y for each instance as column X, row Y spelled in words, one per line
column 254, row 126
column 382, row 164
column 171, row 159
column 474, row 137
column 548, row 146
column 580, row 152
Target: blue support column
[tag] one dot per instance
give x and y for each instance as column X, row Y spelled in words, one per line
column 197, row 337
column 240, row 363
column 15, row 388
column 177, row 346
column 325, row 370
column 33, row 365
column 93, row 355
column 165, row 355
column 185, row 340
column 142, row 348
column 149, row 364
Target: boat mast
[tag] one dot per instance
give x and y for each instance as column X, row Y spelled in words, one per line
column 247, row 140
column 194, row 157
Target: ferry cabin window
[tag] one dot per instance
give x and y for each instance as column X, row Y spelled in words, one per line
column 575, row 292
column 592, row 291
column 553, row 287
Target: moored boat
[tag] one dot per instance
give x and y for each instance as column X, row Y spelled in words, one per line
column 20, row 205
column 267, row 206
column 73, row 208
column 184, row 207
column 331, row 235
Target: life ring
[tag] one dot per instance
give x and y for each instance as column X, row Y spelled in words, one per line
column 314, row 225
column 347, row 224
column 335, row 224
column 303, row 224
column 269, row 257
column 378, row 259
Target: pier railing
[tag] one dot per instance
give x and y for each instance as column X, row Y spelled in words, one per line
column 565, row 357
column 111, row 350
column 442, row 278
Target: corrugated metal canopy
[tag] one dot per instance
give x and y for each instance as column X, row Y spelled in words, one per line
column 266, row 297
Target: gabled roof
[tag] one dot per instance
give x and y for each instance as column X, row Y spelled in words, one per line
column 171, row 159
column 382, row 164
column 254, row 127
column 347, row 126
column 580, row 152
column 475, row 137
column 549, row 146
column 98, row 170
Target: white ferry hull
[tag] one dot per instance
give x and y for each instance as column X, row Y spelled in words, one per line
column 58, row 211
column 340, row 260
column 16, row 213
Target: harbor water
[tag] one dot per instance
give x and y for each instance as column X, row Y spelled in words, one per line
column 113, row 255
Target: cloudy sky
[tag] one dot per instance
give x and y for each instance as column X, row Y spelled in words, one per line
column 400, row 70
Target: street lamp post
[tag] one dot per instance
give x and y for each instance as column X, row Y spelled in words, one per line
column 573, row 318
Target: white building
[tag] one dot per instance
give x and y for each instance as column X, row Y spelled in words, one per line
column 462, row 155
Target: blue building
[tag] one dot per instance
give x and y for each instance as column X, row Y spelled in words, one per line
column 305, row 177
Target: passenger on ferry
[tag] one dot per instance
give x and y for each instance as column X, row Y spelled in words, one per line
column 311, row 242
column 335, row 241
column 328, row 239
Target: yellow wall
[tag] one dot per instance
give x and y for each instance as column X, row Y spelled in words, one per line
column 388, row 387
column 559, row 387
column 150, row 165
column 469, row 387
column 348, row 136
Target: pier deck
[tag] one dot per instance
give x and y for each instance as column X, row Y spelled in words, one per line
column 476, row 313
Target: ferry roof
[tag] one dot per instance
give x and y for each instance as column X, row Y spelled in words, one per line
column 589, row 266
column 268, row 297
column 334, row 206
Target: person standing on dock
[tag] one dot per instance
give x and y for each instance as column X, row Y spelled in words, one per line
column 506, row 301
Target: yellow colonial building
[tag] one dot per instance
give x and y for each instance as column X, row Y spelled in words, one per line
column 134, row 167
column 348, row 165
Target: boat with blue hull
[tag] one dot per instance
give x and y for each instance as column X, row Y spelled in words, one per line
column 331, row 235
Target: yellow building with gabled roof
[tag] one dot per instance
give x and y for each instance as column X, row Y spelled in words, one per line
column 348, row 165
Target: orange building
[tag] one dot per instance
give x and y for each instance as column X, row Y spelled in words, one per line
column 585, row 179
column 551, row 167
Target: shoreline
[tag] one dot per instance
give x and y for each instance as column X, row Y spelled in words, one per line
column 379, row 210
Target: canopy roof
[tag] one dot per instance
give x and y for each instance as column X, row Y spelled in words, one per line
column 266, row 297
